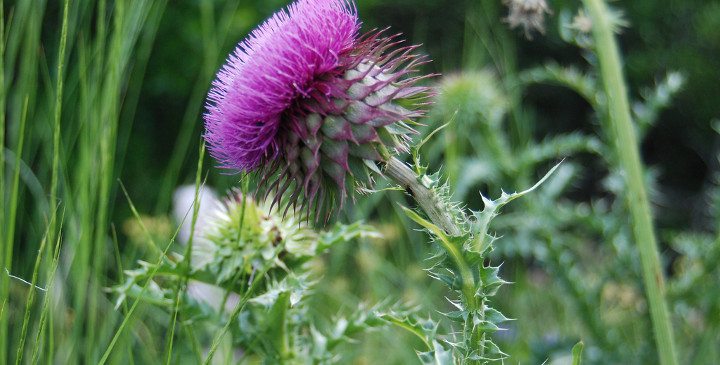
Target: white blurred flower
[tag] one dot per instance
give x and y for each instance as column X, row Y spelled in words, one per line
column 203, row 249
column 212, row 295
column 183, row 199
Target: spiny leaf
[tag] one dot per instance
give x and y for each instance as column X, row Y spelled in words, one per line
column 344, row 233
column 424, row 329
column 482, row 218
column 431, row 134
column 295, row 287
column 490, row 277
column 655, row 100
column 572, row 78
column 484, row 326
column 438, row 356
column 493, row 315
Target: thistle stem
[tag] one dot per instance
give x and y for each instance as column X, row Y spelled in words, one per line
column 626, row 146
column 424, row 196
column 429, row 201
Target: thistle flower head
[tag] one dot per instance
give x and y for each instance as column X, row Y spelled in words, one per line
column 306, row 102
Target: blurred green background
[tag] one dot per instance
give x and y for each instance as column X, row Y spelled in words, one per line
column 160, row 92
column 663, row 36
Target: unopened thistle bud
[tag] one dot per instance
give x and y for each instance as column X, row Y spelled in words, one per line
column 471, row 96
column 310, row 104
column 528, row 14
column 243, row 236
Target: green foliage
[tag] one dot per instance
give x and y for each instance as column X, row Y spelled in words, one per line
column 252, row 269
column 134, row 77
column 460, row 264
column 558, row 230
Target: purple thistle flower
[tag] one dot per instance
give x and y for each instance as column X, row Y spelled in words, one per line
column 311, row 105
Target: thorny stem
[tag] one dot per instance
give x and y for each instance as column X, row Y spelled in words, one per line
column 429, row 202
column 425, row 197
column 626, row 145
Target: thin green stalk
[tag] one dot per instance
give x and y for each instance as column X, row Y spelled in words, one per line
column 57, row 116
column 2, row 309
column 173, row 323
column 110, row 113
column 234, row 316
column 10, row 233
column 45, row 311
column 162, row 256
column 626, row 145
column 6, row 245
column 84, row 184
column 95, row 175
column 55, row 167
column 2, row 123
column 31, row 294
column 124, row 308
column 187, row 262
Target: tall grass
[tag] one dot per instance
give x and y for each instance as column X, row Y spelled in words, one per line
column 70, row 102
column 70, row 143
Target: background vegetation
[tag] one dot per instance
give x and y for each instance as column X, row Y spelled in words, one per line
column 117, row 103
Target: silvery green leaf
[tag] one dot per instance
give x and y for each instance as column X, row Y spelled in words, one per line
column 493, row 315
column 457, row 316
column 344, row 233
column 483, row 218
column 292, row 286
column 438, row 356
column 484, row 326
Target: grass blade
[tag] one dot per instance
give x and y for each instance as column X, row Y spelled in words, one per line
column 31, row 294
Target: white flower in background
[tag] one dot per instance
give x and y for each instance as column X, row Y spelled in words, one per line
column 202, row 253
column 183, row 199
